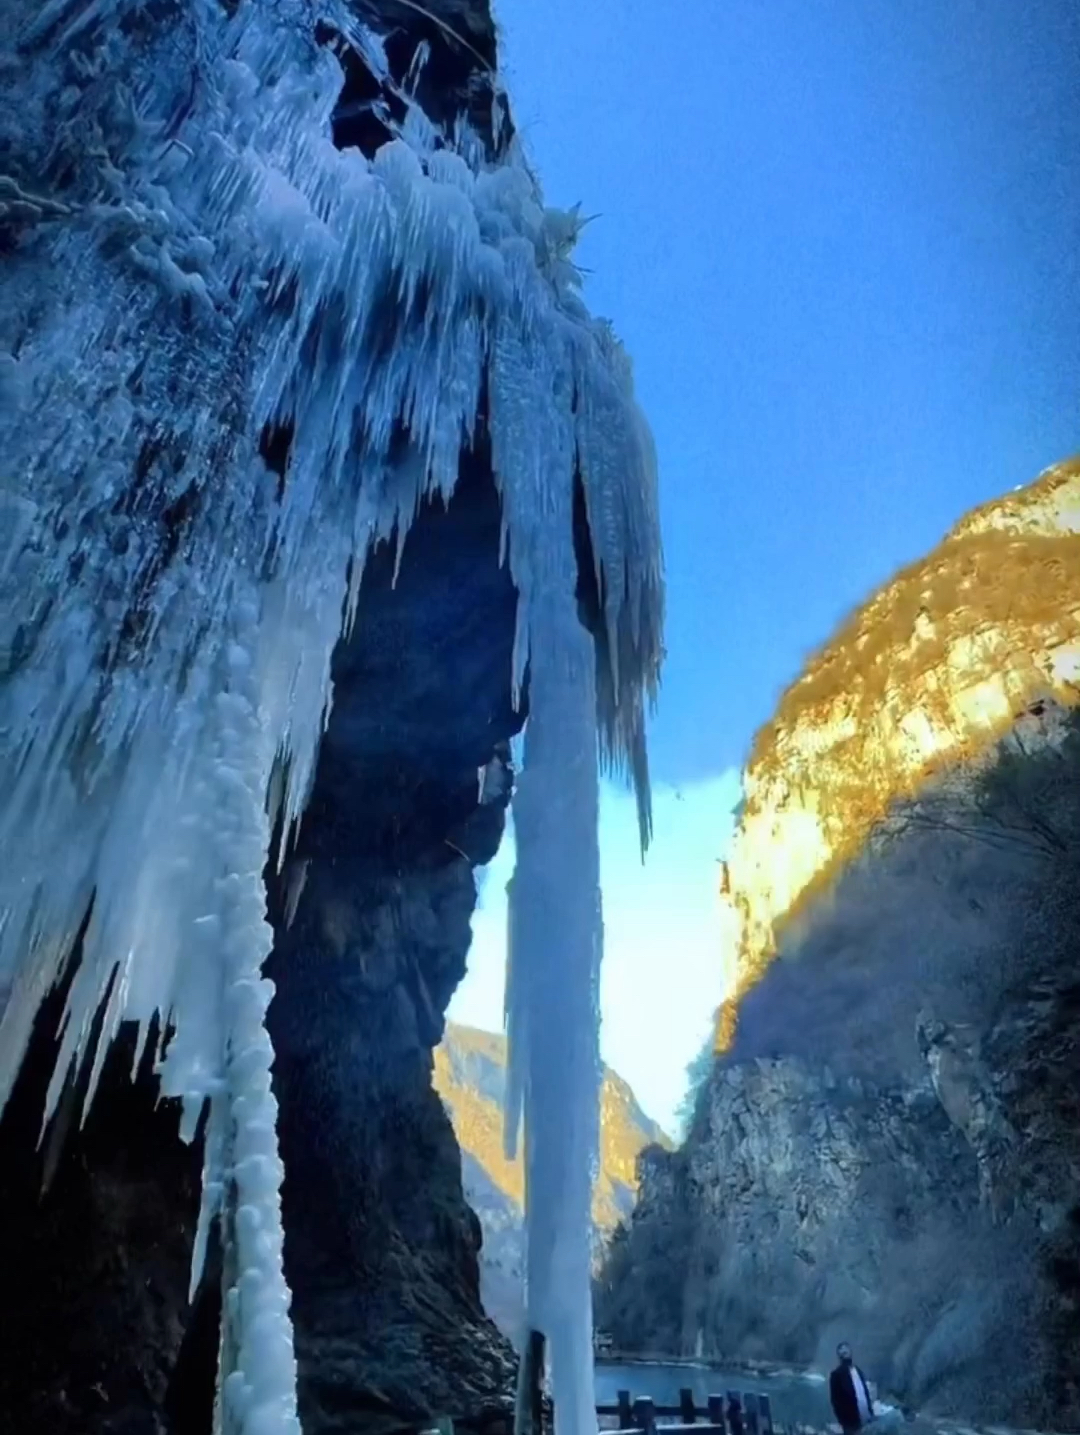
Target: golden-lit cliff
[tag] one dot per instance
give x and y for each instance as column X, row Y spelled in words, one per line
column 470, row 1069
column 930, row 671
column 469, row 1072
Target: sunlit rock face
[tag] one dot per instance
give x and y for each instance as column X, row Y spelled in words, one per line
column 928, row 673
column 470, row 1077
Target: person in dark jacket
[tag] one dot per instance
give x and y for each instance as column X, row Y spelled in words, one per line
column 849, row 1393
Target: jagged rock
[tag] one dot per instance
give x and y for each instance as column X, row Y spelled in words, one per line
column 93, row 1300
column 964, row 1087
column 381, row 1249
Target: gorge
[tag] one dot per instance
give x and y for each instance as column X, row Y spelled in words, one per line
column 470, row 1077
column 329, row 537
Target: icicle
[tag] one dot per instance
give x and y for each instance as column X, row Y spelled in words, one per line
column 242, row 1178
column 556, row 946
column 555, row 927
column 517, row 1039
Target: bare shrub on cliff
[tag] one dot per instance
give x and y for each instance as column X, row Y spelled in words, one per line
column 1026, row 799
column 698, row 1071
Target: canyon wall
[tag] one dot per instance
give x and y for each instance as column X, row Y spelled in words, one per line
column 887, row 1149
column 889, row 1152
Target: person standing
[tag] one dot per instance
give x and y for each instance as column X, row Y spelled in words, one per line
column 849, row 1393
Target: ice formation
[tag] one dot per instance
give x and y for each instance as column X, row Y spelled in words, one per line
column 555, row 944
column 192, row 265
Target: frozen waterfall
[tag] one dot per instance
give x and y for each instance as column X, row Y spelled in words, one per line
column 195, row 264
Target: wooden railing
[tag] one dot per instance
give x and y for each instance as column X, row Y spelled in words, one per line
column 731, row 1413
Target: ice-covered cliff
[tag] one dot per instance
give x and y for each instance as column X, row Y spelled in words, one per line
column 371, row 929
column 277, row 280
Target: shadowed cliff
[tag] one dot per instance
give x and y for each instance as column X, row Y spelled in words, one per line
column 890, row 1150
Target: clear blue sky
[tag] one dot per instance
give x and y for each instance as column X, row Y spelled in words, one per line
column 841, row 240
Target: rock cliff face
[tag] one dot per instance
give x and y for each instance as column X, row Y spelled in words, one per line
column 381, row 1247
column 371, row 919
column 888, row 1147
column 928, row 673
column 470, row 1077
column 890, row 1151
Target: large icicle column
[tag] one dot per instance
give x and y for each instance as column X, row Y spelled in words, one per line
column 554, row 968
column 246, row 328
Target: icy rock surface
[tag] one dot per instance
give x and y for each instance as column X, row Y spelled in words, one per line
column 192, row 270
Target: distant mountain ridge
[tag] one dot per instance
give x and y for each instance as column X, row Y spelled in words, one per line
column 470, row 1077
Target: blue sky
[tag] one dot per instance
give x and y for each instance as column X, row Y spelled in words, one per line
column 841, row 241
